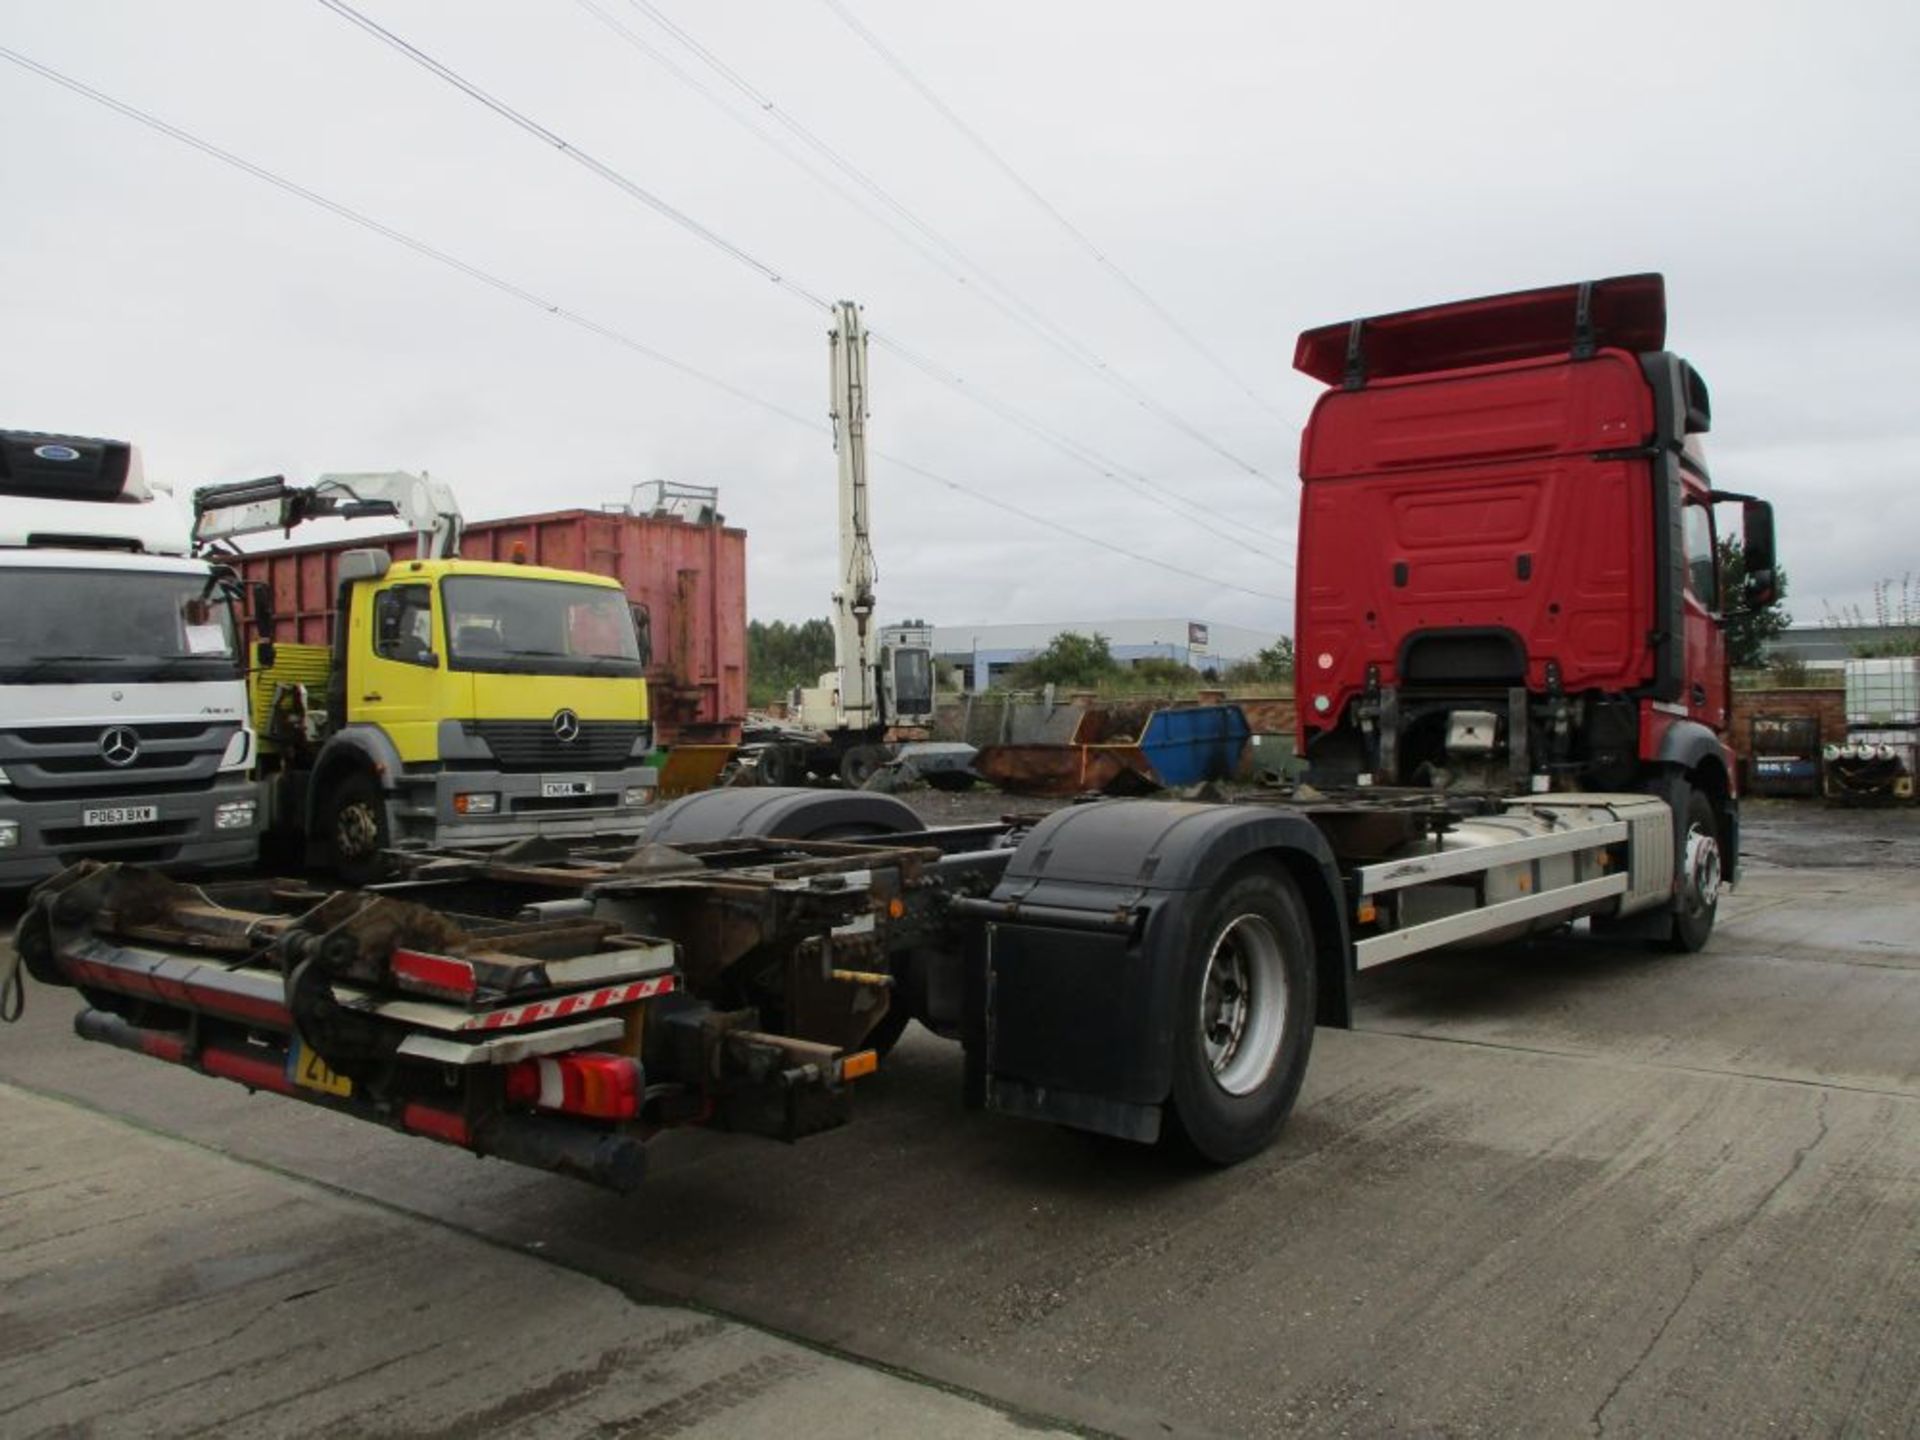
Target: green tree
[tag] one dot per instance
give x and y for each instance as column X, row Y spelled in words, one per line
column 1749, row 627
column 781, row 656
column 1271, row 666
column 1070, row 659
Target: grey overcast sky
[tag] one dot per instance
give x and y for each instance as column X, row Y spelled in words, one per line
column 1256, row 167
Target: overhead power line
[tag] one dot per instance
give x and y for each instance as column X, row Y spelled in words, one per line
column 399, row 237
column 607, row 332
column 982, row 282
column 1080, row 453
column 980, row 143
column 1149, row 489
column 575, row 153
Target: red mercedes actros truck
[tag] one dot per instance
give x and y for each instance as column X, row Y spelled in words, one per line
column 1507, row 567
column 1514, row 692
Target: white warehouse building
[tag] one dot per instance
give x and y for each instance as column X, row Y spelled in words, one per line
column 987, row 652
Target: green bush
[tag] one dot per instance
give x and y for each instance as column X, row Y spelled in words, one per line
column 1082, row 661
column 781, row 656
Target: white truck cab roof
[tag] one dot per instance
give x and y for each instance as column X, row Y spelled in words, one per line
column 74, row 493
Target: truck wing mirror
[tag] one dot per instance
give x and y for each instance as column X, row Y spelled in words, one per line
column 1763, row 587
column 643, row 633
column 260, row 602
column 1757, row 554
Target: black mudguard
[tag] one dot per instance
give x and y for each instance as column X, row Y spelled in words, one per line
column 1076, row 1021
column 757, row 812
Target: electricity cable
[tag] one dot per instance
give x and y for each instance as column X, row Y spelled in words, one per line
column 1005, row 409
column 575, row 318
column 1148, row 488
column 989, row 287
column 980, row 143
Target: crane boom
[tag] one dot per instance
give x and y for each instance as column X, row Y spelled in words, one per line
column 252, row 507
column 853, row 602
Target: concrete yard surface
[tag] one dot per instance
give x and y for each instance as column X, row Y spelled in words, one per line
column 148, row 1287
column 1565, row 1188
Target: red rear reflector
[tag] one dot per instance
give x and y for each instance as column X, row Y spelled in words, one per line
column 435, row 974
column 604, row 1087
column 431, row 1120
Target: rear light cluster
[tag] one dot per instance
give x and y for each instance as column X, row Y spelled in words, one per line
column 602, row 1087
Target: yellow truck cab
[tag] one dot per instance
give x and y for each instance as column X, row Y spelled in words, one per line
column 461, row 701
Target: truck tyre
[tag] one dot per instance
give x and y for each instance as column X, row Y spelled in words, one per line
column 1699, row 870
column 860, row 764
column 781, row 766
column 1245, row 1016
column 354, row 834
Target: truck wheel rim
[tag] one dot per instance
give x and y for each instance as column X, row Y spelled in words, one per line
column 1243, row 1004
column 1703, row 870
column 356, row 831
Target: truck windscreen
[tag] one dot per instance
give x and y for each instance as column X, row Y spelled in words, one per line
column 538, row 627
column 111, row 626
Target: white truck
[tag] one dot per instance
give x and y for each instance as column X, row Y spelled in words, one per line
column 123, row 716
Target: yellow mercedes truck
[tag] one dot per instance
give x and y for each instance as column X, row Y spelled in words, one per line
column 457, row 702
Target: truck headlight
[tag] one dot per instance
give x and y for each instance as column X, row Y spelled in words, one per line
column 234, row 815
column 9, row 834
column 239, row 751
column 636, row 795
column 476, row 803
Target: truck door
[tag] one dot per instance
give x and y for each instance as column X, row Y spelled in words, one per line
column 1706, row 642
column 393, row 668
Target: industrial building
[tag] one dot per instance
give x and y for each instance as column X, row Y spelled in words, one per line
column 1828, row 647
column 985, row 653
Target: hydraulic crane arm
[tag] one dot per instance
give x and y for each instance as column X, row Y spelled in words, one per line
column 252, row 507
column 853, row 638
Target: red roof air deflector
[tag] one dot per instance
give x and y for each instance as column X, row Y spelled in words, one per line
column 1626, row 312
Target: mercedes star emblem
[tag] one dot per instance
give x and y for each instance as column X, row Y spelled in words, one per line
column 119, row 746
column 566, row 726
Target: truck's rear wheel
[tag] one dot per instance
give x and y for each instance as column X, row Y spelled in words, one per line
column 354, row 832
column 860, row 764
column 1700, row 871
column 1245, row 1018
column 782, row 765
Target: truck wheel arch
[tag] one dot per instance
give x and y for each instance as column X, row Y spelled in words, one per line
column 1693, row 756
column 1084, row 1011
column 355, row 749
column 1181, row 853
column 771, row 813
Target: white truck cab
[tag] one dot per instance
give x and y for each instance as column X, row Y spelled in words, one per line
column 124, row 732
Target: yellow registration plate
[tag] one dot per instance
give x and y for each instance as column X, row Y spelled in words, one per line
column 311, row 1071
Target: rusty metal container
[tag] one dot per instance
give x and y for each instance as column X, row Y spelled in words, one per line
column 1786, row 755
column 684, row 565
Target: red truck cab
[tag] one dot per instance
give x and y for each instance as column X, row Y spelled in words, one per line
column 1507, row 569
